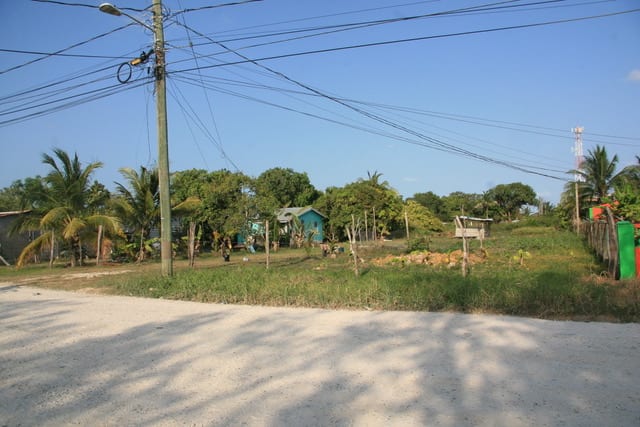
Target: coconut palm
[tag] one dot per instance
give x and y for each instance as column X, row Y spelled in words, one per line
column 138, row 206
column 63, row 210
column 630, row 175
column 598, row 173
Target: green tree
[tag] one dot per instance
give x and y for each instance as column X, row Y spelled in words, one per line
column 433, row 202
column 510, row 198
column 138, row 204
column 629, row 175
column 283, row 188
column 62, row 208
column 421, row 219
column 228, row 203
column 460, row 203
column 190, row 188
column 11, row 197
column 368, row 200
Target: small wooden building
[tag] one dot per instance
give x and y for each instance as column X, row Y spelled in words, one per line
column 311, row 219
column 478, row 228
column 12, row 244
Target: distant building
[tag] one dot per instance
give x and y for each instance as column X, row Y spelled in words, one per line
column 310, row 218
column 11, row 245
column 473, row 227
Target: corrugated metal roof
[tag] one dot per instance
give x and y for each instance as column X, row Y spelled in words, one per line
column 285, row 214
column 11, row 213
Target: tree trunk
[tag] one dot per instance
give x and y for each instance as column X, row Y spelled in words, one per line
column 192, row 243
column 366, row 228
column 51, row 252
column 99, row 245
column 351, row 234
column 141, row 253
column 406, row 223
column 375, row 231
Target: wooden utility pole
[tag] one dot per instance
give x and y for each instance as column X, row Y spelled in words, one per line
column 163, row 142
column 266, row 241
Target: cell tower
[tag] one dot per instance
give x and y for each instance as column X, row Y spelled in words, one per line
column 578, row 177
column 577, row 131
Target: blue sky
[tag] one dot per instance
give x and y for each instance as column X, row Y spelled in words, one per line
column 508, row 96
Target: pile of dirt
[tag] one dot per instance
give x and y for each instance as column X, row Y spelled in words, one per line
column 449, row 259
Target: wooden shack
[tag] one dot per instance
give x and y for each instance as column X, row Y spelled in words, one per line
column 478, row 228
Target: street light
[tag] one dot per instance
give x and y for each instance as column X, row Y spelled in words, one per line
column 163, row 145
column 111, row 9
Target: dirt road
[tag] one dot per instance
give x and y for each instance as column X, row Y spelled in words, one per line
column 72, row 358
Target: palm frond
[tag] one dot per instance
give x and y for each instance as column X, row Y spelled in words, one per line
column 41, row 243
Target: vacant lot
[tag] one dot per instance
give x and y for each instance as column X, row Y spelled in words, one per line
column 521, row 270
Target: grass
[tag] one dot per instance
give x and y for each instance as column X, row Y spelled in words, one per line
column 558, row 278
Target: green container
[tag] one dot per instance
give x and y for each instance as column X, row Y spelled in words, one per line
column 626, row 250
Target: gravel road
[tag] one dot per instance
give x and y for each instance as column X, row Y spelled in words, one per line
column 73, row 358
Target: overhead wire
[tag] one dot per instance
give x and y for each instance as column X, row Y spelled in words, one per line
column 218, row 143
column 335, row 28
column 289, row 92
column 215, row 6
column 71, row 101
column 432, row 142
column 90, row 6
column 70, row 55
column 172, row 89
column 410, row 39
column 48, row 55
column 365, row 128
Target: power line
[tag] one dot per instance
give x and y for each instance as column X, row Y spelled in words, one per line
column 33, row 52
column 90, row 6
column 16, row 67
column 335, row 28
column 215, row 125
column 196, row 9
column 288, row 92
column 412, row 39
column 72, row 101
column 432, row 142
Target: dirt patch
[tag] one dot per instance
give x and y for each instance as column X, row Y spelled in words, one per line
column 437, row 259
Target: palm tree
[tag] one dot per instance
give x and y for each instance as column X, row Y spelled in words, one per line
column 63, row 209
column 629, row 175
column 139, row 205
column 598, row 173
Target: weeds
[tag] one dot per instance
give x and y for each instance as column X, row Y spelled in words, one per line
column 553, row 276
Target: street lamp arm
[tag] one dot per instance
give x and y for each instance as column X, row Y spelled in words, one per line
column 111, row 9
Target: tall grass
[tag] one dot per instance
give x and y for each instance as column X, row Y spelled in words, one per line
column 558, row 278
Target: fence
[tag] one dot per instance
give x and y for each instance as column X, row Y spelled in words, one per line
column 602, row 237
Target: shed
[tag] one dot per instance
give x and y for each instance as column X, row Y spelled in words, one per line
column 473, row 227
column 12, row 244
column 311, row 219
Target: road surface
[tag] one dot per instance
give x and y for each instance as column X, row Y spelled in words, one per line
column 73, row 358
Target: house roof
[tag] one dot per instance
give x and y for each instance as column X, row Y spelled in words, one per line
column 470, row 218
column 285, row 214
column 12, row 213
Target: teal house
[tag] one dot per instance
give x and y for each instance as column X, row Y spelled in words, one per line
column 310, row 219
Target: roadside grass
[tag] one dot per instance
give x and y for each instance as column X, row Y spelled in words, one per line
column 523, row 271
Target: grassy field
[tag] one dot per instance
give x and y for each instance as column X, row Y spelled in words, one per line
column 524, row 271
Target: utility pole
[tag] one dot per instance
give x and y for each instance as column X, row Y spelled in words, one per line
column 159, row 72
column 166, row 252
column 577, row 131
